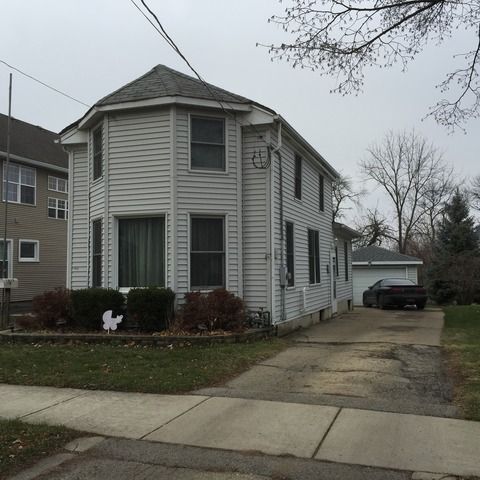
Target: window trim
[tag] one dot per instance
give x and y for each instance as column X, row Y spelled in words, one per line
column 207, row 171
column 321, row 192
column 93, row 255
column 98, row 128
column 57, row 209
column 298, row 176
column 19, row 183
column 56, row 181
column 316, row 257
column 36, row 259
column 287, row 223
column 208, row 288
column 9, row 258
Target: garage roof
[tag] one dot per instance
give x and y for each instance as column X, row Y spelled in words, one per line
column 374, row 255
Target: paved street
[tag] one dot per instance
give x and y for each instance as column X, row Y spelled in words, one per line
column 361, row 396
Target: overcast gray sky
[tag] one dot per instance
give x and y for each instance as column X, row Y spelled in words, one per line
column 89, row 48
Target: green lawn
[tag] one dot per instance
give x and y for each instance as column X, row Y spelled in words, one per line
column 461, row 337
column 21, row 444
column 130, row 368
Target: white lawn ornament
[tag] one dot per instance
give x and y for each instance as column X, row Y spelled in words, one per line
column 109, row 322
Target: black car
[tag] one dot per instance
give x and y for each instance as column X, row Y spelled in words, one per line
column 397, row 292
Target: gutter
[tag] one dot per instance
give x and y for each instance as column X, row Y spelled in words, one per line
column 35, row 163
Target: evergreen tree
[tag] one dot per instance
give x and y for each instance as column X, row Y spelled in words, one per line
column 455, row 271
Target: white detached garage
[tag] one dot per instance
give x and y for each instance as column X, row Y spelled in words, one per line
column 370, row 264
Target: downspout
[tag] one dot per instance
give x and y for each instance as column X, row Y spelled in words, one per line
column 283, row 269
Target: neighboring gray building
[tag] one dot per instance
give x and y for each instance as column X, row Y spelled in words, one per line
column 170, row 188
column 373, row 263
column 37, row 208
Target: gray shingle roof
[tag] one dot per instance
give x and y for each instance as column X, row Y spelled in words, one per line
column 162, row 81
column 379, row 254
column 32, row 142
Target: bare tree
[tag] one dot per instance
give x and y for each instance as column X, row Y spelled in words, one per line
column 374, row 229
column 341, row 38
column 407, row 168
column 475, row 193
column 343, row 196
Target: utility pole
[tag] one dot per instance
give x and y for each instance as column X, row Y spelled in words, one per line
column 6, row 291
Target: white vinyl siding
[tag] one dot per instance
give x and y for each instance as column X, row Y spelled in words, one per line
column 305, row 214
column 256, row 241
column 79, row 219
column 412, row 273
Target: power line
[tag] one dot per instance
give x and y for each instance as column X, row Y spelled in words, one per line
column 44, row 84
column 163, row 33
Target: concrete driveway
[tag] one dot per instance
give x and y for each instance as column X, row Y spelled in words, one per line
column 387, row 360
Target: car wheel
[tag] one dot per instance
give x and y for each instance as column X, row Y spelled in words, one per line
column 366, row 304
column 420, row 307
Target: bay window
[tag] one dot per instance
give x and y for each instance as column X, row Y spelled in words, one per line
column 207, row 143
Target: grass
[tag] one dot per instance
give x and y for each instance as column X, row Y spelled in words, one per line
column 461, row 338
column 130, row 368
column 22, row 444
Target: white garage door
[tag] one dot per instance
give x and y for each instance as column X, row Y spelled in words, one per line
column 364, row 277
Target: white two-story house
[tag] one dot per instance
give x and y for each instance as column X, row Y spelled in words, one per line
column 175, row 183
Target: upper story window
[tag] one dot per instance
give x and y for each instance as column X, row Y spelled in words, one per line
column 321, row 192
column 97, row 148
column 57, row 184
column 28, row 251
column 207, row 143
column 58, row 208
column 21, row 184
column 298, row 177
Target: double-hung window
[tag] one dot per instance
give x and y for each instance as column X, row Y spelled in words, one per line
column 21, row 183
column 337, row 273
column 207, row 143
column 290, row 254
column 57, row 208
column 207, row 253
column 57, row 184
column 97, row 148
column 314, row 256
column 141, row 252
column 345, row 257
column 321, row 192
column 97, row 253
column 6, row 271
column 298, row 177
column 28, row 251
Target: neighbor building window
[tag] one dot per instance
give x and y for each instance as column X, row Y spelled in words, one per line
column 57, row 184
column 21, row 184
column 314, row 256
column 207, row 253
column 207, row 143
column 57, row 208
column 290, row 254
column 6, row 271
column 28, row 250
column 141, row 252
column 97, row 147
column 345, row 250
column 97, row 253
column 321, row 192
column 298, row 177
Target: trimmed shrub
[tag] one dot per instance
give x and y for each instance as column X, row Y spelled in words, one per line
column 89, row 304
column 216, row 310
column 51, row 309
column 150, row 308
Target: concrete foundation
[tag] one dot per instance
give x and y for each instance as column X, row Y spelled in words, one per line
column 303, row 321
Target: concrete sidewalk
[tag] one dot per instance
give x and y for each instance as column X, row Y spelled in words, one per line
column 351, row 436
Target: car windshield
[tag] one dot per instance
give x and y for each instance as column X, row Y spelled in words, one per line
column 397, row 281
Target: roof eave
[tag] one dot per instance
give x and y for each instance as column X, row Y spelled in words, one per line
column 345, row 231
